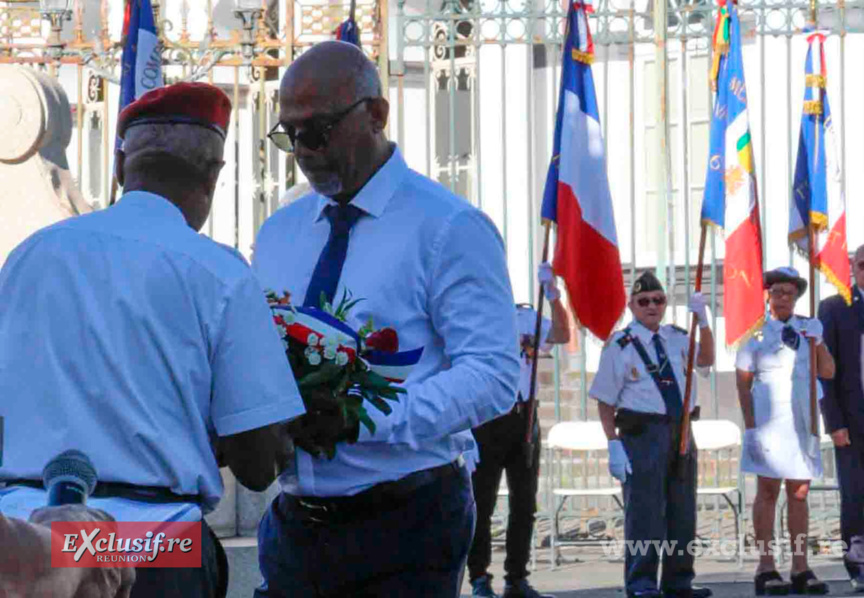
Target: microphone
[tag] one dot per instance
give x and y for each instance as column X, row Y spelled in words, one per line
column 69, row 479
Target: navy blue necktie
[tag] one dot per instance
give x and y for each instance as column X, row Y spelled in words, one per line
column 325, row 278
column 669, row 385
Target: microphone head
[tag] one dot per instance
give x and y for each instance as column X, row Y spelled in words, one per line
column 70, row 466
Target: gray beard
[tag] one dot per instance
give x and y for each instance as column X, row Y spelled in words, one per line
column 332, row 186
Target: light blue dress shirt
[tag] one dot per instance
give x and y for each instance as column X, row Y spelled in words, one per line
column 130, row 337
column 431, row 266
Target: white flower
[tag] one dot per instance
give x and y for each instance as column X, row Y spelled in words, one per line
column 314, row 359
column 289, row 317
column 312, row 341
column 341, row 358
column 329, row 353
column 330, row 341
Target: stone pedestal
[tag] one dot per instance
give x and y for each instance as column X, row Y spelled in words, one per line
column 35, row 129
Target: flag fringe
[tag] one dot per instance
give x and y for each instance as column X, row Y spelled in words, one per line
column 819, row 221
column 742, row 340
column 815, row 81
column 813, row 107
column 842, row 289
column 583, row 57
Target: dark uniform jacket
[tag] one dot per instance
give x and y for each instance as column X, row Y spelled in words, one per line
column 843, row 404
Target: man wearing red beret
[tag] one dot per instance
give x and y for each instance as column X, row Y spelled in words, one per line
column 393, row 513
column 128, row 336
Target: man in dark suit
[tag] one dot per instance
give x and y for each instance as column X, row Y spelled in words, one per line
column 843, row 412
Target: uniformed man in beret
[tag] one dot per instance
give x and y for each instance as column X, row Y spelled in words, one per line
column 128, row 336
column 640, row 387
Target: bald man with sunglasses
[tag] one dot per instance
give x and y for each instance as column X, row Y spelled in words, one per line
column 392, row 514
column 639, row 387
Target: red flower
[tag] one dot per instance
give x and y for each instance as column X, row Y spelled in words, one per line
column 385, row 340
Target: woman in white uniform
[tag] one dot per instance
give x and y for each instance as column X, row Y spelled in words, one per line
column 772, row 372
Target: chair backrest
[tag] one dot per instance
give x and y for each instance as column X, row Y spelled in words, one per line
column 577, row 436
column 716, row 434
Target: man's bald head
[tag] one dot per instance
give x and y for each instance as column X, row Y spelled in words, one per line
column 334, row 73
column 331, row 108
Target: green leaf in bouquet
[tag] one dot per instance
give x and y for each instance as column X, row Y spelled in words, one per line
column 367, row 328
column 370, row 379
column 344, row 382
column 324, row 374
column 363, row 415
column 380, row 404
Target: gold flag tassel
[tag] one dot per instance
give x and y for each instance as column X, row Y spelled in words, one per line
column 721, row 42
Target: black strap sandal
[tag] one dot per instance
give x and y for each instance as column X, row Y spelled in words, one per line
column 806, row 582
column 770, row 583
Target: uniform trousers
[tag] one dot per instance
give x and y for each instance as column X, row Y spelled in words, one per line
column 660, row 505
column 502, row 449
column 413, row 546
column 850, row 473
column 208, row 581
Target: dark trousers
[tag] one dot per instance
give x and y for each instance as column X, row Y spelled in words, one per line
column 414, row 548
column 660, row 505
column 208, row 581
column 850, row 473
column 502, row 449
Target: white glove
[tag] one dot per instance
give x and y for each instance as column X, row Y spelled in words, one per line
column 547, row 279
column 753, row 447
column 813, row 329
column 697, row 306
column 619, row 462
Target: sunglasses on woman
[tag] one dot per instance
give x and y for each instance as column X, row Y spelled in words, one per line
column 645, row 301
column 314, row 134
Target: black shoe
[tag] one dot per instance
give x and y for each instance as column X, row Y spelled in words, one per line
column 482, row 587
column 521, row 589
column 694, row 592
column 858, row 583
column 645, row 594
column 807, row 583
column 770, row 583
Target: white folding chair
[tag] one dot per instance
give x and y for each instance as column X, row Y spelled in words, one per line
column 582, row 437
column 713, row 439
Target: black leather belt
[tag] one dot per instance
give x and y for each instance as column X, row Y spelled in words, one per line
column 377, row 499
column 148, row 494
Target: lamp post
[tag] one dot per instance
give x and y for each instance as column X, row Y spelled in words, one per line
column 55, row 11
column 248, row 11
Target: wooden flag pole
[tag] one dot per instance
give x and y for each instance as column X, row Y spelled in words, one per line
column 688, row 387
column 814, row 421
column 531, row 404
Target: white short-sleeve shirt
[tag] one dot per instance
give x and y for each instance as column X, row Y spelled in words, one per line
column 622, row 379
column 128, row 336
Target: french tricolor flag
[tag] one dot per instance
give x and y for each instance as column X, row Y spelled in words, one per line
column 577, row 196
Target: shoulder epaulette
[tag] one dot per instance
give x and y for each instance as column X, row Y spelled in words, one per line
column 678, row 329
column 800, row 317
column 624, row 339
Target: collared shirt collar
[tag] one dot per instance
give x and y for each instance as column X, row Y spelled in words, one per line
column 645, row 335
column 151, row 203
column 377, row 192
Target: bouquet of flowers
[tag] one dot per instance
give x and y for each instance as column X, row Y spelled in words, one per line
column 351, row 367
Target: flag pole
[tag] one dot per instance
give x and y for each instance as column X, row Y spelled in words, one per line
column 532, row 403
column 814, row 422
column 685, row 418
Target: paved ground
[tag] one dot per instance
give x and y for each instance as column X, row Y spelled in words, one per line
column 584, row 574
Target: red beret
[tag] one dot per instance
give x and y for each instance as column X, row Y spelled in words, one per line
column 182, row 103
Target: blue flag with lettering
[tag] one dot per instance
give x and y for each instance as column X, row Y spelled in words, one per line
column 142, row 54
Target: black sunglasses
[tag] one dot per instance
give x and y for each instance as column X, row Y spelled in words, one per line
column 645, row 301
column 314, row 134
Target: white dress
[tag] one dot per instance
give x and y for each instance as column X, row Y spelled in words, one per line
column 781, row 404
